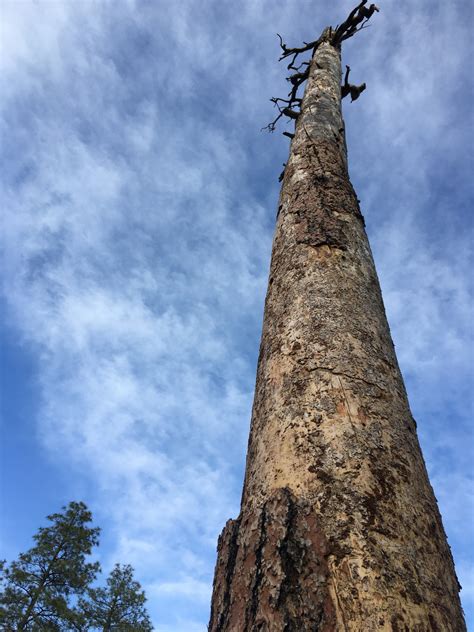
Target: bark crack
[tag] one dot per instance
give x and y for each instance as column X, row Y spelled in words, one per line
column 350, row 377
column 251, row 612
column 340, row 609
column 231, row 560
column 285, row 556
column 327, row 242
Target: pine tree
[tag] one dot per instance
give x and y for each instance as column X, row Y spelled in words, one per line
column 339, row 529
column 119, row 607
column 37, row 588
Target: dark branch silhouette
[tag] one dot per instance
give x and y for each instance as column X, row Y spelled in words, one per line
column 355, row 22
column 283, row 111
column 295, row 51
column 349, row 88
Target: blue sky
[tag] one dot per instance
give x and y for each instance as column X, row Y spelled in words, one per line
column 139, row 201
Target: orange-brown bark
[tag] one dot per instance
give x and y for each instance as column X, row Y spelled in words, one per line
column 339, row 528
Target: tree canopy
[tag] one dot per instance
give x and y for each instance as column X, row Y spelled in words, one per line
column 118, row 606
column 49, row 588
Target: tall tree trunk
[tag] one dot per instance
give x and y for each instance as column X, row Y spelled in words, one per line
column 339, row 528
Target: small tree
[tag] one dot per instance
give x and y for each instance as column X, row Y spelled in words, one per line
column 36, row 589
column 119, row 607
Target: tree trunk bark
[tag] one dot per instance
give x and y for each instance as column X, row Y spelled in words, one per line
column 339, row 528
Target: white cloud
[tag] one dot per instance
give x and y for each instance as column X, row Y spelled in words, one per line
column 188, row 587
column 181, row 625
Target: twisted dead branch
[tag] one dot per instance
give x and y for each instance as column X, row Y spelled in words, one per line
column 355, row 22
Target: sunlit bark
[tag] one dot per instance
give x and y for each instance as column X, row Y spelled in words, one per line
column 339, row 528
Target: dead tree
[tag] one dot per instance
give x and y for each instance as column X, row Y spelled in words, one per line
column 339, row 530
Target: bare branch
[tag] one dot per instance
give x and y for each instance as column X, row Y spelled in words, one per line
column 271, row 126
column 286, row 111
column 355, row 22
column 287, row 52
column 289, row 102
column 290, row 113
column 349, row 88
column 353, row 32
column 291, row 51
column 298, row 68
column 298, row 78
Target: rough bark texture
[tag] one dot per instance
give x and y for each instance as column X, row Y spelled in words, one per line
column 339, row 528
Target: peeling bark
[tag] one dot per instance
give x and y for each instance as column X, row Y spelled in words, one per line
column 280, row 554
column 339, row 528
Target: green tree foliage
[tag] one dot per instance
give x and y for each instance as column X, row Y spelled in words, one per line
column 48, row 589
column 120, row 606
column 36, row 589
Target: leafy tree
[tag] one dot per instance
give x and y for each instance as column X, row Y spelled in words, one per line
column 119, row 607
column 37, row 588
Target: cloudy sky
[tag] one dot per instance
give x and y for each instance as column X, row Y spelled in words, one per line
column 139, row 199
